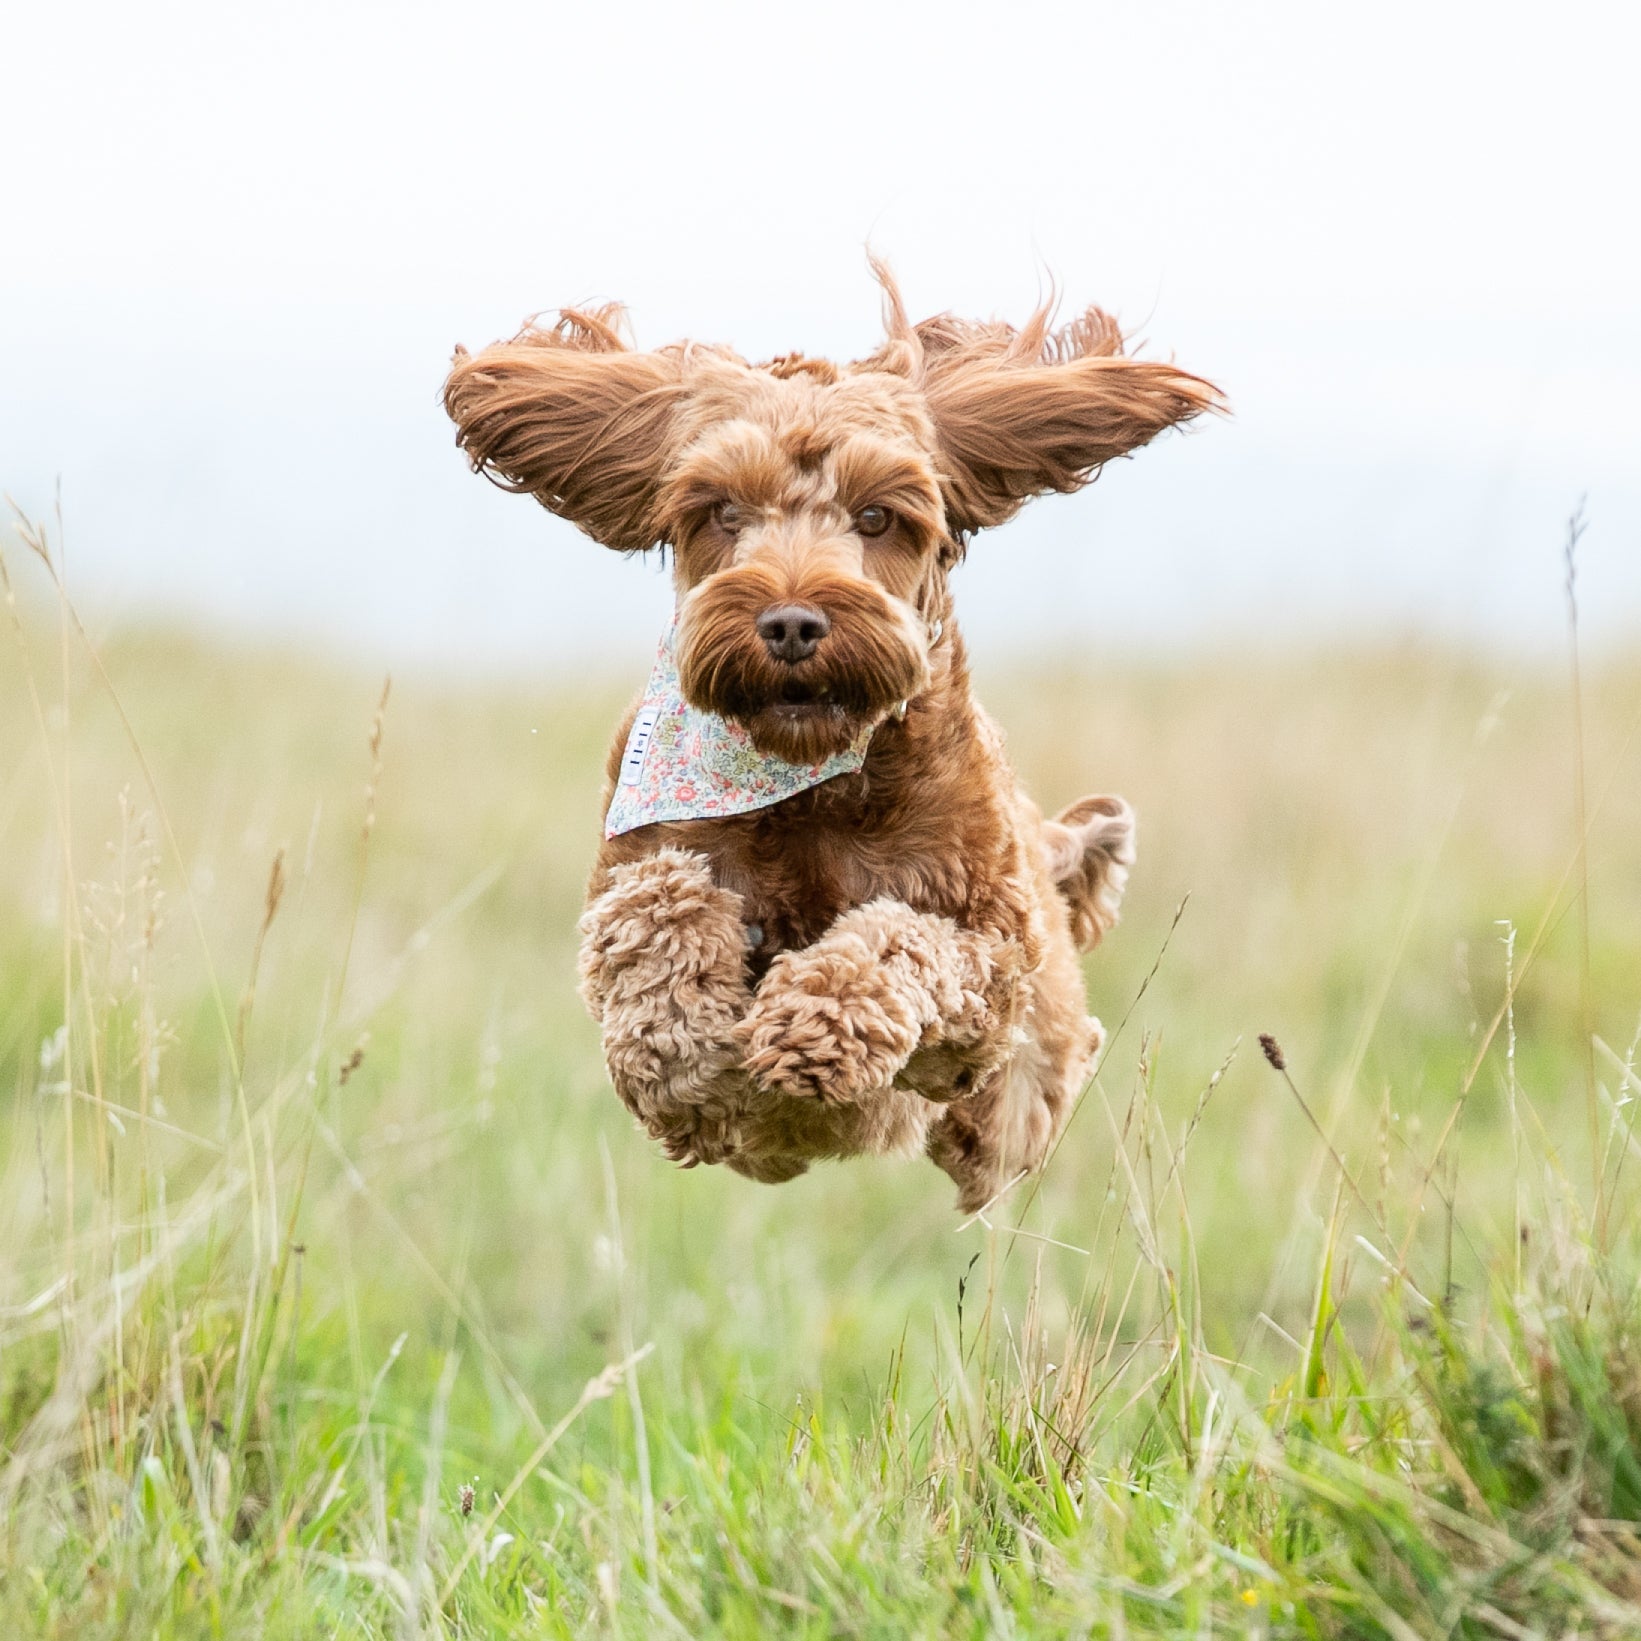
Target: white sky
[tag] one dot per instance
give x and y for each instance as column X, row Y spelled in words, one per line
column 239, row 242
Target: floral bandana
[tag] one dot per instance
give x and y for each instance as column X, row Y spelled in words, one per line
column 685, row 764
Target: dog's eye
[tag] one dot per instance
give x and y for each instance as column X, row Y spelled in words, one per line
column 873, row 521
column 730, row 517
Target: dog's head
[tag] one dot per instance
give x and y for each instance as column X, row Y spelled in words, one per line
column 813, row 509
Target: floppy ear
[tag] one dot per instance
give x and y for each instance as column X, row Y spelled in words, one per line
column 1023, row 412
column 574, row 417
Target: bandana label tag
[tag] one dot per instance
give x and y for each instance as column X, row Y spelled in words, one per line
column 638, row 743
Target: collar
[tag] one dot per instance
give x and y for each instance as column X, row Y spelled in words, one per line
column 681, row 763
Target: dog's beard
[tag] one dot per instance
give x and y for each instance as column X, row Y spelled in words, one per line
column 874, row 658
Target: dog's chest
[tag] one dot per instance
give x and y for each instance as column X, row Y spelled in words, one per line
column 796, row 877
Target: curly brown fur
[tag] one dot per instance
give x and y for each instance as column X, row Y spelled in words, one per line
column 663, row 965
column 840, row 1019
column 886, row 962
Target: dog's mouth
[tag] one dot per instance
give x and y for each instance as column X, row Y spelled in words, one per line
column 804, row 717
column 803, row 720
column 800, row 701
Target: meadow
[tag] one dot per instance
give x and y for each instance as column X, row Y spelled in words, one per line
column 338, row 1296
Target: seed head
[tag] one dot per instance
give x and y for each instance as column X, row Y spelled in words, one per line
column 352, row 1063
column 465, row 1497
column 1273, row 1051
column 276, row 888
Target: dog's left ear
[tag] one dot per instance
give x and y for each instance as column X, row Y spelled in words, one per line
column 1022, row 412
column 573, row 416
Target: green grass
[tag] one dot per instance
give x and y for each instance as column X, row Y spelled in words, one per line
column 319, row 1210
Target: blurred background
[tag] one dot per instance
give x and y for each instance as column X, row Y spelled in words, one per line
column 241, row 241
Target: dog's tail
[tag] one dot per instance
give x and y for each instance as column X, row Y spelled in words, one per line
column 1090, row 848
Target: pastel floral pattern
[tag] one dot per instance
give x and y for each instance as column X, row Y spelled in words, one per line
column 684, row 764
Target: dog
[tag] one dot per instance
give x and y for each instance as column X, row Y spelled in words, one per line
column 824, row 920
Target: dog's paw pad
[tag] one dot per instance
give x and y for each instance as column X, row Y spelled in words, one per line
column 943, row 1072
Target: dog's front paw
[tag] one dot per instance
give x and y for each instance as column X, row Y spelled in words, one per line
column 663, row 967
column 830, row 1023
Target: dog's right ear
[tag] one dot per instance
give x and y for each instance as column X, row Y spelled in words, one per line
column 573, row 416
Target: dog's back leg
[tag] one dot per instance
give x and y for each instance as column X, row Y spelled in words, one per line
column 1090, row 848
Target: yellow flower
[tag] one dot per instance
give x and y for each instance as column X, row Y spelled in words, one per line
column 1250, row 1598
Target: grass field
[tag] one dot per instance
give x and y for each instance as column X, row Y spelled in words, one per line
column 338, row 1297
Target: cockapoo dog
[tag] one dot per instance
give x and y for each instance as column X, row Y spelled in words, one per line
column 825, row 920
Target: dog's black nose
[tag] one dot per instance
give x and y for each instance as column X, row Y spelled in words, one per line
column 793, row 632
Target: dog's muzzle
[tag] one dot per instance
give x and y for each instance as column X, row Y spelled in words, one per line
column 803, row 669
